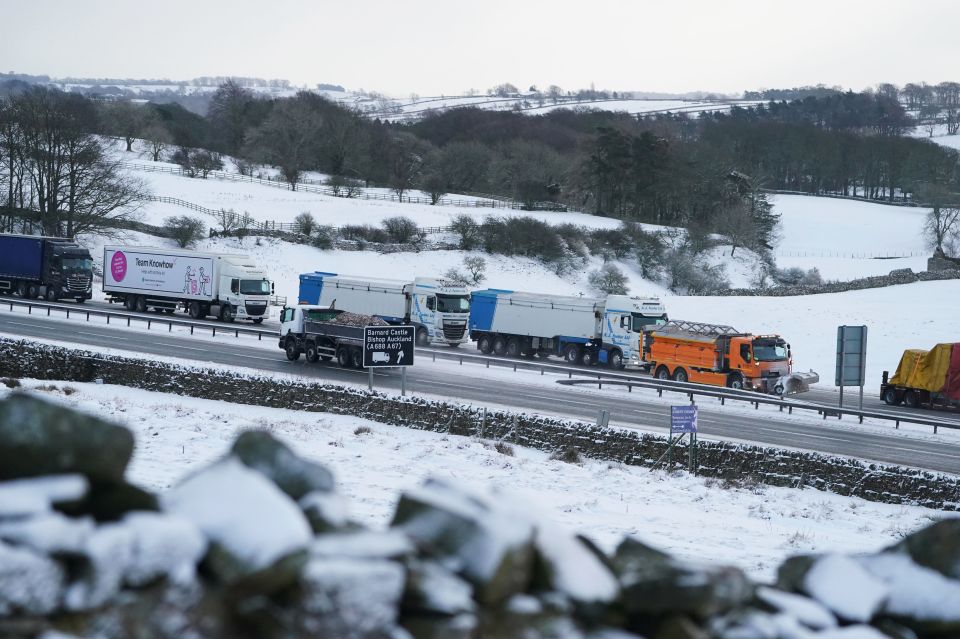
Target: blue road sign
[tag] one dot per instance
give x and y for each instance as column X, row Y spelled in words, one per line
column 683, row 419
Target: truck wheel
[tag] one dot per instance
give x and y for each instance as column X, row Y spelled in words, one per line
column 22, row 289
column 140, row 304
column 423, row 338
column 356, row 357
column 129, row 301
column 193, row 310
column 573, row 354
column 615, row 360
column 225, row 314
column 543, row 354
column 343, row 357
column 735, row 380
column 891, row 397
column 513, row 347
column 485, row 344
column 911, row 399
column 290, row 347
column 662, row 373
column 258, row 320
column 81, row 300
column 589, row 358
column 51, row 294
column 33, row 291
column 311, row 352
column 499, row 346
column 680, row 375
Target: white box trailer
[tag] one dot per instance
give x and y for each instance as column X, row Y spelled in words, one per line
column 437, row 307
column 579, row 329
column 224, row 285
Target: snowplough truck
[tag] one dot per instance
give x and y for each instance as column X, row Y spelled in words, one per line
column 723, row 356
column 925, row 378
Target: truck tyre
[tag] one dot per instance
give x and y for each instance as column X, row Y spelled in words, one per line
column 129, row 301
column 680, row 375
column 225, row 314
column 290, row 347
column 51, row 294
column 615, row 361
column 499, row 346
column 513, row 347
column 589, row 358
column 22, row 289
column 573, row 354
column 343, row 357
column 891, row 397
column 735, row 380
column 33, row 291
column 311, row 352
column 140, row 304
column 356, row 357
column 258, row 320
column 485, row 344
column 193, row 310
column 81, row 300
column 662, row 373
column 911, row 399
column 423, row 338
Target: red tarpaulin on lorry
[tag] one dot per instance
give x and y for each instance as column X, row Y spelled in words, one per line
column 951, row 385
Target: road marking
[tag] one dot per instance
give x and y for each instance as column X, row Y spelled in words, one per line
column 122, row 339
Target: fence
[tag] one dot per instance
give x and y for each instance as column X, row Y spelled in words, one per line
column 883, row 255
column 314, row 186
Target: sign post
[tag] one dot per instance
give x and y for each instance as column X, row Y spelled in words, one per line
column 683, row 421
column 851, row 359
column 388, row 347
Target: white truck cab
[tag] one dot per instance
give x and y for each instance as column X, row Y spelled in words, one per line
column 442, row 307
column 624, row 321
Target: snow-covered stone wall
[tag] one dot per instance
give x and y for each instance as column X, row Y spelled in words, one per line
column 728, row 461
column 248, row 548
column 894, row 278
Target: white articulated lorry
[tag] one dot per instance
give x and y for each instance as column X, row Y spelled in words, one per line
column 437, row 307
column 579, row 329
column 226, row 286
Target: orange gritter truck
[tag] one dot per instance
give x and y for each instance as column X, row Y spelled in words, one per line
column 722, row 356
column 925, row 378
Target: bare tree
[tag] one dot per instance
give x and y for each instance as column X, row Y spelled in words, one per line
column 610, row 280
column 736, row 223
column 407, row 157
column 126, row 120
column 75, row 186
column 288, row 137
column 184, row 230
column 158, row 139
column 942, row 226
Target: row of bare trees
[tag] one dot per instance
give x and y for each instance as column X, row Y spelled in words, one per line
column 57, row 176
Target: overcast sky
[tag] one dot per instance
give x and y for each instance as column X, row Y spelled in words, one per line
column 431, row 47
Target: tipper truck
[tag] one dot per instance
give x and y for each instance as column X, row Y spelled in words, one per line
column 50, row 267
column 438, row 308
column 581, row 330
column 227, row 286
column 324, row 333
column 722, row 356
column 925, row 378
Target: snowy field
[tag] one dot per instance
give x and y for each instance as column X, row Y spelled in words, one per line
column 754, row 527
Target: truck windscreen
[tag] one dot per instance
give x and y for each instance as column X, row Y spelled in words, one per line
column 78, row 263
column 254, row 287
column 769, row 351
column 453, row 304
column 643, row 322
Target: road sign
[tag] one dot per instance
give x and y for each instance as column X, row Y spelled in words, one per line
column 851, row 356
column 385, row 346
column 683, row 419
column 851, row 359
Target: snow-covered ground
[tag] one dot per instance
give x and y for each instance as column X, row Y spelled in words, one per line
column 755, row 527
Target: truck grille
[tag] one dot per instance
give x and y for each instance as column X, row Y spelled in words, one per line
column 78, row 283
column 256, row 310
column 454, row 331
